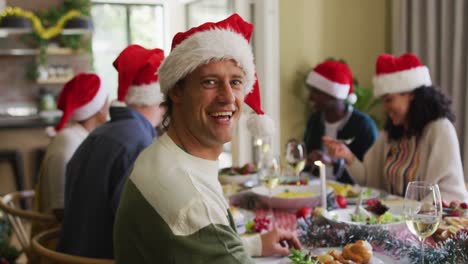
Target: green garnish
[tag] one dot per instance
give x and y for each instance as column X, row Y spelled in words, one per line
column 367, row 192
column 299, row 257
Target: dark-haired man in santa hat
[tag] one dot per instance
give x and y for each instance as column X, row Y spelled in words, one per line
column 172, row 208
column 82, row 100
column 331, row 83
column 99, row 167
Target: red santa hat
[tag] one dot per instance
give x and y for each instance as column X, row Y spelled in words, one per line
column 226, row 39
column 333, row 78
column 81, row 97
column 138, row 80
column 399, row 74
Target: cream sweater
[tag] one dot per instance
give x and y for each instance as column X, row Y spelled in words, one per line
column 439, row 162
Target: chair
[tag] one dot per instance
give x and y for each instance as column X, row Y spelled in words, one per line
column 44, row 238
column 15, row 160
column 17, row 216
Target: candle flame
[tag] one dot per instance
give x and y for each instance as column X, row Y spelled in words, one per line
column 318, row 163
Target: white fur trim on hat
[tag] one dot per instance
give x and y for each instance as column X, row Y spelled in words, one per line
column 352, row 98
column 402, row 81
column 144, row 95
column 86, row 111
column 201, row 48
column 334, row 89
column 261, row 125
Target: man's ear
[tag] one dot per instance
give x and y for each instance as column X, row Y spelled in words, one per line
column 176, row 93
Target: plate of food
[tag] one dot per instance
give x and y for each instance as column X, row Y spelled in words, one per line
column 237, row 174
column 358, row 252
column 351, row 193
column 291, row 196
column 374, row 214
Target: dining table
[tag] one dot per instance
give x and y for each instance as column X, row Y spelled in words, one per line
column 399, row 234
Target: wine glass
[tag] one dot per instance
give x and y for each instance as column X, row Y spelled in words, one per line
column 296, row 157
column 422, row 210
column 269, row 176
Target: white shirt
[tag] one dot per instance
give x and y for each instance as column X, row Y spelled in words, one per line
column 52, row 177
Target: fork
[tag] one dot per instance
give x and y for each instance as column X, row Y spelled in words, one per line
column 346, row 141
column 359, row 209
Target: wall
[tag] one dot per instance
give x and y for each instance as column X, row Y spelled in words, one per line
column 15, row 87
column 312, row 30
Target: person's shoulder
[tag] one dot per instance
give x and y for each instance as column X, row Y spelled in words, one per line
column 362, row 119
column 440, row 124
column 362, row 116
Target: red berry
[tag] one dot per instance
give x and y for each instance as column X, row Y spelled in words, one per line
column 455, row 213
column 444, row 204
column 464, row 205
column 304, row 212
column 341, row 201
column 453, row 204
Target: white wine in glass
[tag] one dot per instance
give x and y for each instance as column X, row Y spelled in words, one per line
column 269, row 176
column 296, row 156
column 423, row 210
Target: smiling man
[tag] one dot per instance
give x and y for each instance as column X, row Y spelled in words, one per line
column 172, row 209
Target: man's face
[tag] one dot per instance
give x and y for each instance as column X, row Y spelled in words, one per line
column 321, row 101
column 210, row 101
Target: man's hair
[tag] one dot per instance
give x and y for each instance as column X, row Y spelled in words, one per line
column 169, row 105
column 428, row 104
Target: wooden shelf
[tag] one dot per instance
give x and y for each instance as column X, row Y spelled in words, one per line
column 54, row 81
column 32, row 52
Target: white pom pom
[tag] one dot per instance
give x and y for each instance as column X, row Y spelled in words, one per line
column 261, row 125
column 352, row 98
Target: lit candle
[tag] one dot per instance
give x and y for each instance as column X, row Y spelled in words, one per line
column 323, row 185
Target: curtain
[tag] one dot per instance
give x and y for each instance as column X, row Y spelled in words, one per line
column 436, row 31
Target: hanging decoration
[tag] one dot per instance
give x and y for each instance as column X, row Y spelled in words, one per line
column 44, row 33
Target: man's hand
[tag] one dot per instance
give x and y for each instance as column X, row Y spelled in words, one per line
column 338, row 150
column 273, row 240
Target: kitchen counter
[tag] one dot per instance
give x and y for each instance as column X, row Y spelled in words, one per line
column 35, row 121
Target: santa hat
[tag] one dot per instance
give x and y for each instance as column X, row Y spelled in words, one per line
column 138, row 79
column 399, row 74
column 81, row 97
column 333, row 78
column 226, row 39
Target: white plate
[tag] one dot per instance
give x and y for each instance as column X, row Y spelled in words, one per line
column 239, row 178
column 373, row 195
column 241, row 217
column 377, row 258
column 343, row 216
column 291, row 203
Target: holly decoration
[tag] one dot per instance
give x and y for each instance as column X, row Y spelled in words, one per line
column 454, row 208
column 341, row 201
column 257, row 225
column 304, row 212
column 319, row 232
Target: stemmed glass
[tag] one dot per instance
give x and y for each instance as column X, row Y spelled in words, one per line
column 422, row 210
column 269, row 176
column 296, row 156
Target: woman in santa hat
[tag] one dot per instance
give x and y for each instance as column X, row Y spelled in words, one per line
column 419, row 141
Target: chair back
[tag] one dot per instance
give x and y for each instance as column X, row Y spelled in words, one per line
column 18, row 216
column 40, row 246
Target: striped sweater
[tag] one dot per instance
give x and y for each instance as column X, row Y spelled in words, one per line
column 438, row 160
column 172, row 210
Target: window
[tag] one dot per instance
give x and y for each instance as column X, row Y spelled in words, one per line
column 118, row 24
